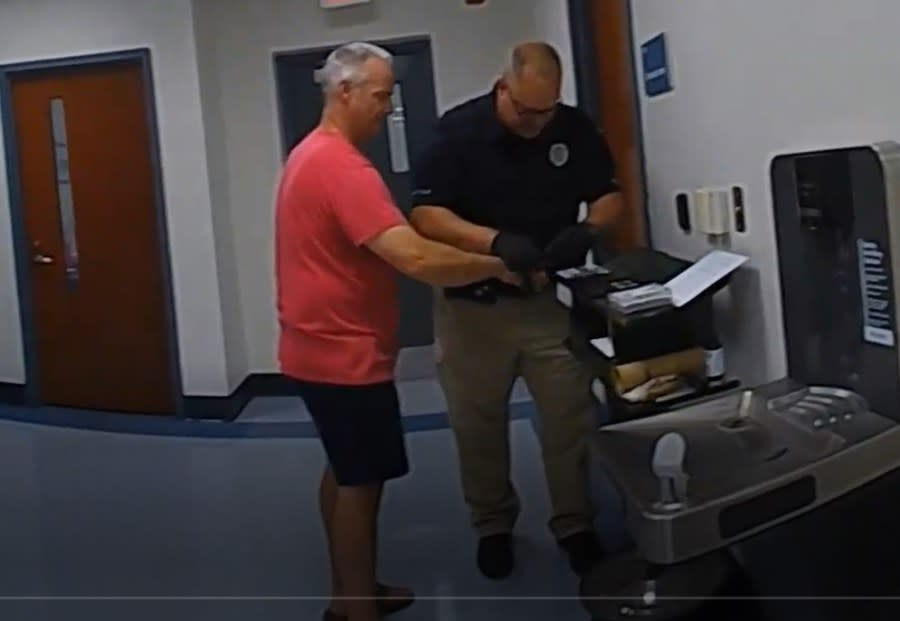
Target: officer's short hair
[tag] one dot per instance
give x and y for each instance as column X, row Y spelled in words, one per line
column 345, row 64
column 535, row 52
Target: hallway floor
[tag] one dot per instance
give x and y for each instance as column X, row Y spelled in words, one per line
column 97, row 525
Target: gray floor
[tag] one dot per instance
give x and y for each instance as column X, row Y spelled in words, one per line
column 96, row 525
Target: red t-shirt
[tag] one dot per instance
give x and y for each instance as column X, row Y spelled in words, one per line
column 337, row 300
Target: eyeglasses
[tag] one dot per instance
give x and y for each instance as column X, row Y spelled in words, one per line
column 523, row 110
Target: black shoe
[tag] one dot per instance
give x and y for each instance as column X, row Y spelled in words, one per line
column 583, row 549
column 495, row 556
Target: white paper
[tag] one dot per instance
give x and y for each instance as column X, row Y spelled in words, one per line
column 703, row 274
column 604, row 346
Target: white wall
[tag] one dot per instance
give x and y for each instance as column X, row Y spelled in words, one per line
column 552, row 25
column 238, row 41
column 753, row 79
column 12, row 355
column 40, row 29
column 215, row 130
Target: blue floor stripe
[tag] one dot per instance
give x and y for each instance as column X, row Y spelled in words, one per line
column 159, row 426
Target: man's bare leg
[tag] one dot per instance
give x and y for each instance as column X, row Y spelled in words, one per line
column 327, row 500
column 395, row 594
column 354, row 533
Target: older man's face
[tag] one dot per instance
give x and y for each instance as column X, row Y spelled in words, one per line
column 369, row 103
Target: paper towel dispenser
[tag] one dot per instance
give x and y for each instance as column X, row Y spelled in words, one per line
column 837, row 221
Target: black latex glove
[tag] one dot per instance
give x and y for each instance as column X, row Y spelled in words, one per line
column 518, row 253
column 570, row 247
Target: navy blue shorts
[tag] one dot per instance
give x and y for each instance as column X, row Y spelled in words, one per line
column 360, row 428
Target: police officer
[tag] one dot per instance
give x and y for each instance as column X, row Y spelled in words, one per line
column 506, row 175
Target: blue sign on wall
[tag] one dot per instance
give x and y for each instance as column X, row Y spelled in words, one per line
column 655, row 63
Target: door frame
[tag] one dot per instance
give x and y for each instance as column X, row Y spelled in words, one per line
column 409, row 44
column 584, row 57
column 142, row 58
column 585, row 52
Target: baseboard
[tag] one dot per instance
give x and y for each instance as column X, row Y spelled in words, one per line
column 200, row 415
column 228, row 408
column 12, row 394
column 270, row 385
column 220, row 408
column 415, row 363
column 224, row 408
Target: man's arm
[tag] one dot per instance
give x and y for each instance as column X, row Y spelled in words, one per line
column 437, row 175
column 436, row 213
column 571, row 245
column 604, row 211
column 597, row 185
column 597, row 178
column 433, row 262
column 364, row 209
column 441, row 224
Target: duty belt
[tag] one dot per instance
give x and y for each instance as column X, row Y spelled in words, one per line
column 487, row 292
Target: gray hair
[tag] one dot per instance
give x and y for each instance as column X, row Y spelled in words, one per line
column 345, row 64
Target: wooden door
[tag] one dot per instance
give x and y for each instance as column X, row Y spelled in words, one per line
column 88, row 195
column 618, row 115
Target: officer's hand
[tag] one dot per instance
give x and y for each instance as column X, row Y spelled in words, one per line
column 570, row 247
column 518, row 253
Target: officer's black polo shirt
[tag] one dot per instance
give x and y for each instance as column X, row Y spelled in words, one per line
column 489, row 176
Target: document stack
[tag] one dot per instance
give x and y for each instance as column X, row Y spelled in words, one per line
column 640, row 299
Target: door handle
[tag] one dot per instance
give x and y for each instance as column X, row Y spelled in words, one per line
column 38, row 257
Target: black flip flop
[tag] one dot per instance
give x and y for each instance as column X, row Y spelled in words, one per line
column 387, row 604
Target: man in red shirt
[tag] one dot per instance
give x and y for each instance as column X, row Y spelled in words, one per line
column 340, row 241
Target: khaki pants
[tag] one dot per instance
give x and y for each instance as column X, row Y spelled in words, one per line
column 481, row 351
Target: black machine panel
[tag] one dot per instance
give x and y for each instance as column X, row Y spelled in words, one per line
column 835, row 261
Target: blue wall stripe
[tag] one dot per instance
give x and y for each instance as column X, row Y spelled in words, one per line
column 168, row 426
